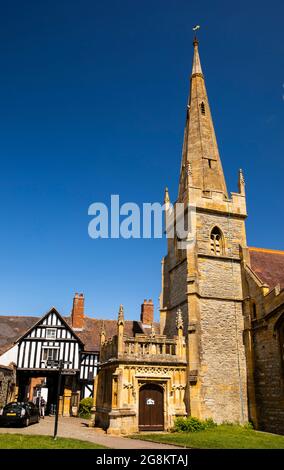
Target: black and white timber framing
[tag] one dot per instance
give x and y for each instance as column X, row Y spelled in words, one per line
column 51, row 338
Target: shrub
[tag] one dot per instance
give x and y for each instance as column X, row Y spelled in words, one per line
column 192, row 424
column 85, row 407
column 210, row 423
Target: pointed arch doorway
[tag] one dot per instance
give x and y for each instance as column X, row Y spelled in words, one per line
column 151, row 407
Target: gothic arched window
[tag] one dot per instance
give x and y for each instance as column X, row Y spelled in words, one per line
column 202, row 108
column 216, row 242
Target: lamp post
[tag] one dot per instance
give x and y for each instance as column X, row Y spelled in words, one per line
column 60, row 365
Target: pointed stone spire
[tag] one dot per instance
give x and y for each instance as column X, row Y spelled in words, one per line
column 201, row 165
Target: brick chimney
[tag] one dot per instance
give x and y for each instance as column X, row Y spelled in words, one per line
column 147, row 312
column 77, row 315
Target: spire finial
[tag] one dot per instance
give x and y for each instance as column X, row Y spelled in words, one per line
column 196, row 66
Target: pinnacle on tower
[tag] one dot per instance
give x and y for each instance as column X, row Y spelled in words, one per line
column 120, row 319
column 166, row 197
column 179, row 320
column 241, row 182
column 103, row 333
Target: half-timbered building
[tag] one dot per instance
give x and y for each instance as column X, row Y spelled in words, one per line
column 38, row 351
column 35, row 345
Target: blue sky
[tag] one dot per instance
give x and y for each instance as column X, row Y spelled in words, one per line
column 92, row 103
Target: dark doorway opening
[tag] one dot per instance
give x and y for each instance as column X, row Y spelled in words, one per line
column 29, row 384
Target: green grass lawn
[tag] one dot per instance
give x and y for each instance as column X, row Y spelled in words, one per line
column 221, row 437
column 20, row 441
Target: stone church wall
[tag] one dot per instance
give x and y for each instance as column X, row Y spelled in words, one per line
column 269, row 381
column 219, row 278
column 222, row 361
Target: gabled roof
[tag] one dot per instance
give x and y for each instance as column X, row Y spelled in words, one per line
column 268, row 265
column 40, row 321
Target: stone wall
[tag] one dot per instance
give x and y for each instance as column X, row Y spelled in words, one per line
column 219, row 278
column 232, row 229
column 222, row 361
column 268, row 374
column 7, row 384
column 222, row 376
column 264, row 325
column 175, row 297
column 178, row 284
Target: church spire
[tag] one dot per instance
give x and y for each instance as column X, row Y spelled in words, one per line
column 196, row 65
column 201, row 165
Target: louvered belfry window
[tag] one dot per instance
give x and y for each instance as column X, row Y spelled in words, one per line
column 216, row 242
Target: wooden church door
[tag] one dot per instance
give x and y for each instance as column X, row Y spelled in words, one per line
column 151, row 408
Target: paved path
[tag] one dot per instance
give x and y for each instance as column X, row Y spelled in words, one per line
column 77, row 428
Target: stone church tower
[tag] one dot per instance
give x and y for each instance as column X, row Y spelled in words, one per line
column 204, row 280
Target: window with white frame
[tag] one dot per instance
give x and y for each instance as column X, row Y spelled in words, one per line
column 50, row 333
column 50, row 354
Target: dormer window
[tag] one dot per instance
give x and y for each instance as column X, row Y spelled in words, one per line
column 202, row 108
column 216, row 242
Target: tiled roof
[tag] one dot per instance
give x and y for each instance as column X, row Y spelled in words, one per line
column 90, row 335
column 13, row 327
column 268, row 265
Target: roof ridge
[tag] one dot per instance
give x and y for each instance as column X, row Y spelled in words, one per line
column 19, row 316
column 266, row 250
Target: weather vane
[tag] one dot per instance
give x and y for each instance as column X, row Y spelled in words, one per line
column 196, row 28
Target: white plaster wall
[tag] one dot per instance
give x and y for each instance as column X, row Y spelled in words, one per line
column 9, row 356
